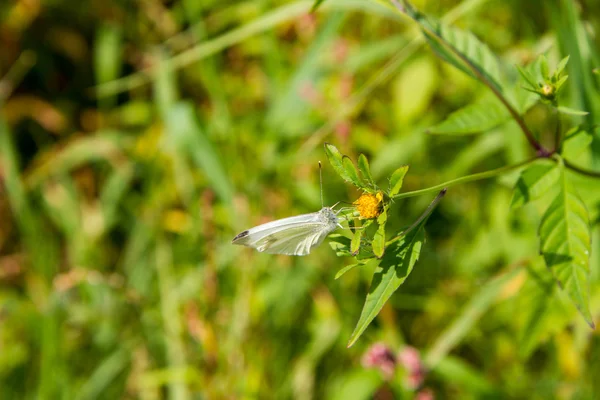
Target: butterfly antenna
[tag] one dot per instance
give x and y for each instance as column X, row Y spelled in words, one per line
column 321, row 182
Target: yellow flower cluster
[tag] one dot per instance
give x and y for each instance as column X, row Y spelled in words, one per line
column 369, row 205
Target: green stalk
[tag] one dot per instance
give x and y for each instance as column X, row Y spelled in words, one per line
column 469, row 178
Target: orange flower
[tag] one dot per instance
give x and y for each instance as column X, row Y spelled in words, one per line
column 369, row 205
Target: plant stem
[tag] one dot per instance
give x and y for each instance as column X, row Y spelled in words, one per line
column 558, row 133
column 465, row 179
column 582, row 171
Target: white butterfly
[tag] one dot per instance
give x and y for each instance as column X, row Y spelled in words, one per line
column 292, row 236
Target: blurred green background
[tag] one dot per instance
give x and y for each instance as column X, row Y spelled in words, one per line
column 120, row 197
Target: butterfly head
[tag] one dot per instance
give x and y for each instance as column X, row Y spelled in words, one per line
column 329, row 217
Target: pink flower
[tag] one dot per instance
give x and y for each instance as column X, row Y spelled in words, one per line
column 425, row 394
column 380, row 356
column 410, row 359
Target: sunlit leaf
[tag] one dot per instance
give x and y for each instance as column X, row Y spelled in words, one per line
column 342, row 165
column 395, row 266
column 365, row 170
column 565, row 244
column 341, row 245
column 534, row 182
column 351, row 172
column 561, row 65
column 397, row 179
column 571, row 111
column 459, row 48
column 576, row 142
column 348, row 268
column 474, row 118
column 528, row 77
column 379, row 237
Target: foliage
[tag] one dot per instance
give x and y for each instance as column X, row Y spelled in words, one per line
column 136, row 141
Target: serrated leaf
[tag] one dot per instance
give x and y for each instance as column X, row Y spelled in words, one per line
column 474, row 118
column 378, row 243
column 348, row 268
column 571, row 111
column 351, row 172
column 575, row 143
column 565, row 244
column 534, row 182
column 392, row 271
column 447, row 41
column 397, row 179
column 365, row 170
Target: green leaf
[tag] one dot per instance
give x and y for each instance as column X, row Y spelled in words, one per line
column 395, row 266
column 365, row 170
column 459, row 48
column 565, row 244
column 534, row 182
column 340, row 244
column 561, row 82
column 397, row 179
column 378, row 242
column 544, row 67
column 529, row 78
column 474, row 118
column 335, row 159
column 348, row 268
column 342, row 165
column 575, row 143
column 561, row 65
column 571, row 111
column 351, row 172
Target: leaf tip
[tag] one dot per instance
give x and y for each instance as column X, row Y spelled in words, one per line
column 592, row 324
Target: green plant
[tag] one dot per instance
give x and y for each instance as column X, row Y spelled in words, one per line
column 564, row 230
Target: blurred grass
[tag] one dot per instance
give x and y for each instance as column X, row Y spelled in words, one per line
column 117, row 276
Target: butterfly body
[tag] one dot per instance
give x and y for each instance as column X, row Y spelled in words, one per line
column 292, row 236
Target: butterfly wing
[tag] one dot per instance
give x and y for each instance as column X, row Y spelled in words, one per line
column 291, row 236
column 297, row 241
